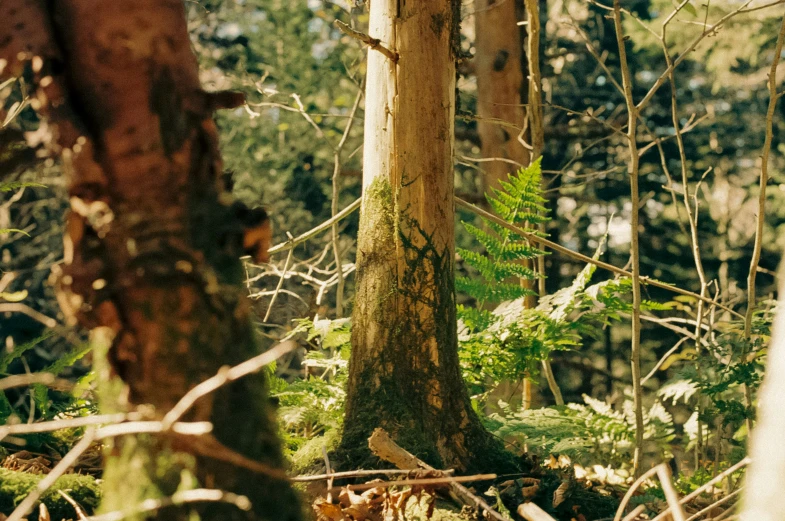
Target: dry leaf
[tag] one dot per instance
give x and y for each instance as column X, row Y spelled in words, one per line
column 558, row 495
column 327, row 511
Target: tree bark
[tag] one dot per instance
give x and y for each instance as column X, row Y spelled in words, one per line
column 152, row 244
column 501, row 90
column 404, row 374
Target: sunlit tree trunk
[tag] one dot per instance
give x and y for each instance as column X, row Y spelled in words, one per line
column 501, row 87
column 502, row 91
column 152, row 247
column 404, row 372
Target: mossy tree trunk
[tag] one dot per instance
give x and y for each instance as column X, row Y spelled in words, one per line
column 404, row 374
column 152, row 247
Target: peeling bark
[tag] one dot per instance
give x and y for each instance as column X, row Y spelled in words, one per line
column 152, row 244
column 404, row 372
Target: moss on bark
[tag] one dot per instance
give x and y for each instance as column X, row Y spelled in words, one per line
column 404, row 372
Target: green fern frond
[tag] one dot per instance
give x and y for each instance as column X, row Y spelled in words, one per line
column 491, row 242
column 505, row 270
column 484, row 292
column 519, row 250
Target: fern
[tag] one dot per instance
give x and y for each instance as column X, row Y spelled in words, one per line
column 519, row 201
column 311, row 409
column 592, row 432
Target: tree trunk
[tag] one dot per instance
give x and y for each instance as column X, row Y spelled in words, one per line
column 501, row 90
column 152, row 244
column 404, row 374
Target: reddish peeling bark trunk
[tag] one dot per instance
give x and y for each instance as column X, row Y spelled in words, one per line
column 152, row 245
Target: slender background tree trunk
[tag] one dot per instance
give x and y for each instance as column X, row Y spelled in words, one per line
column 152, row 247
column 501, row 87
column 404, row 372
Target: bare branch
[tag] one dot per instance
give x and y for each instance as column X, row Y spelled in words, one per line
column 199, row 495
column 371, row 42
column 583, row 258
column 288, row 245
column 224, row 376
column 46, row 483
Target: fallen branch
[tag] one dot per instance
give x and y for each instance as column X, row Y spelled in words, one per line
column 357, row 474
column 531, row 512
column 445, row 480
column 385, row 448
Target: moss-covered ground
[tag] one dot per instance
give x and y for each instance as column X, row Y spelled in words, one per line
column 85, row 490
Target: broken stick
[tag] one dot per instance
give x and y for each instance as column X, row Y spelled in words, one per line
column 383, row 446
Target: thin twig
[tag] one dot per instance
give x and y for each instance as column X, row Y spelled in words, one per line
column 329, row 469
column 638, row 482
column 334, row 206
column 69, row 423
column 46, row 483
column 706, row 32
column 663, row 359
column 199, row 495
column 716, row 504
column 80, row 513
column 632, row 143
column 290, row 244
column 18, row 307
column 706, row 486
column 48, row 379
column 584, row 258
column 354, row 474
column 154, row 427
column 224, row 376
column 280, row 283
column 446, row 480
column 633, row 516
column 671, row 496
column 764, row 180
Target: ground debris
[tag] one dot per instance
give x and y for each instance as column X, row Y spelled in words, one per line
column 375, row 504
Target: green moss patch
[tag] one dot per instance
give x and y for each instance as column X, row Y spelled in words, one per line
column 85, row 490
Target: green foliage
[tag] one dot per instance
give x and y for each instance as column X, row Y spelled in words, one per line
column 590, row 433
column 713, row 379
column 510, row 341
column 15, row 486
column 311, row 408
column 518, row 202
